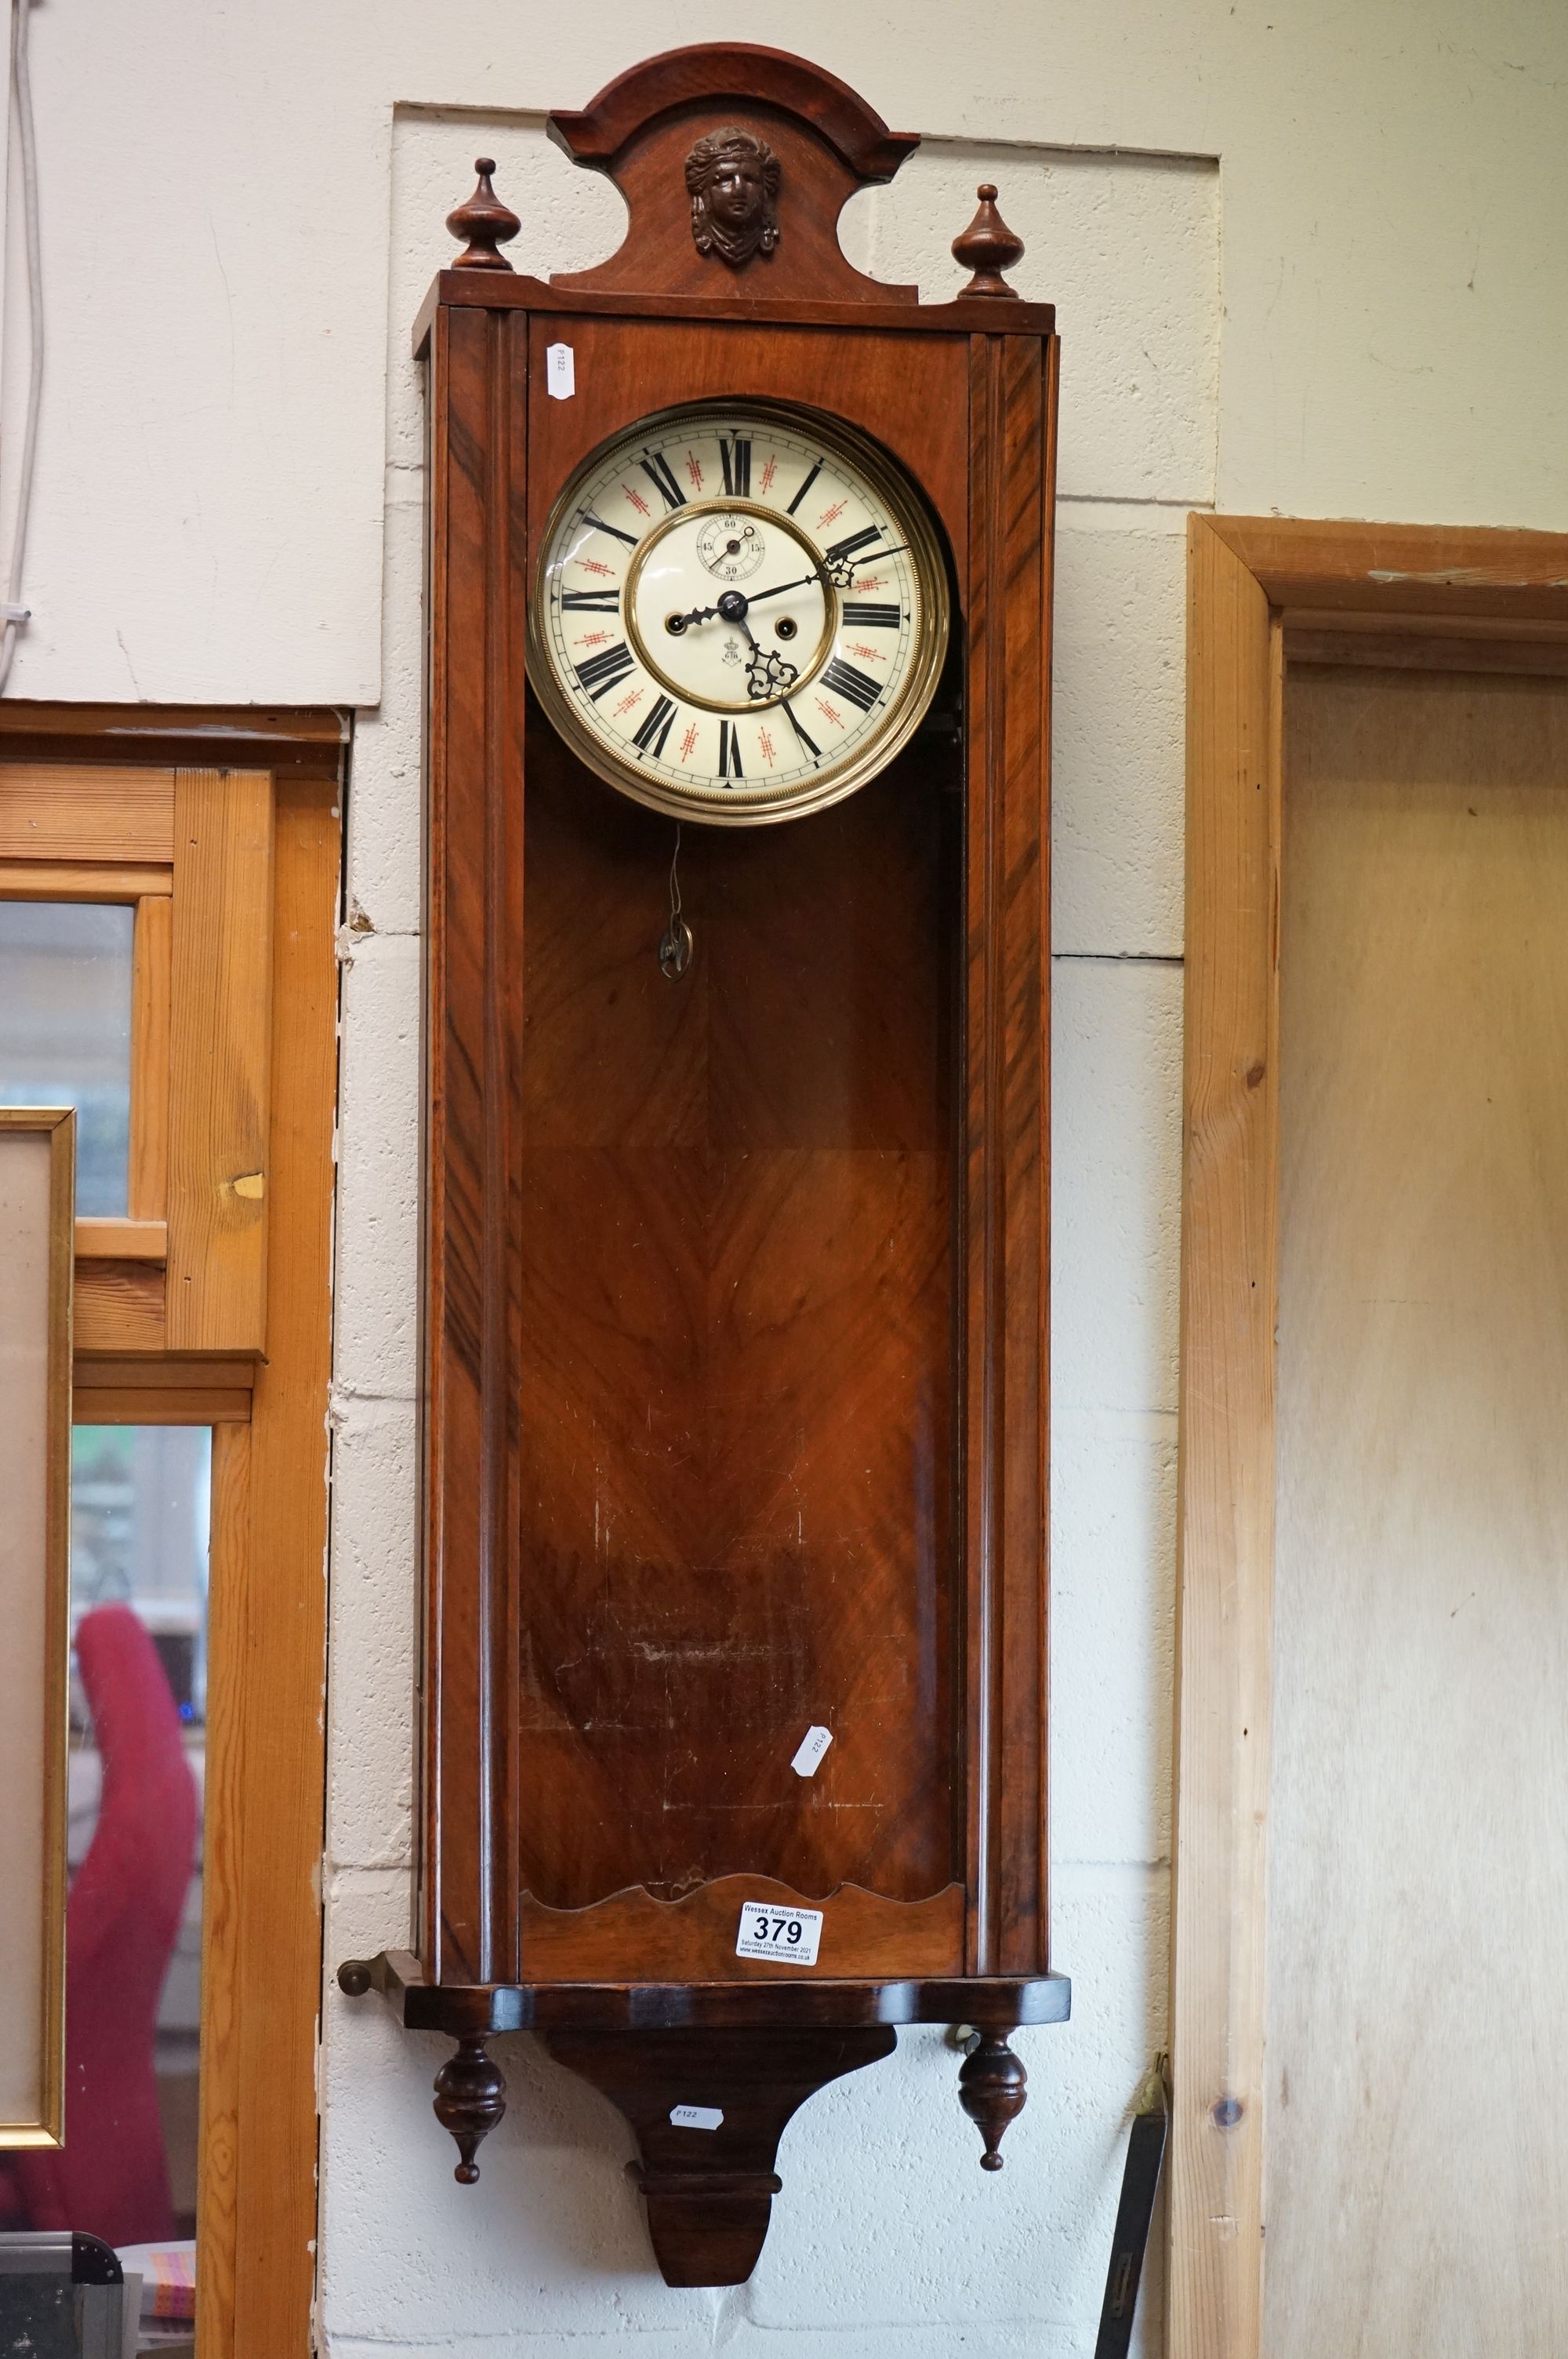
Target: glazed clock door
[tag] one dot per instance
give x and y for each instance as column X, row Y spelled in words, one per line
column 740, row 1402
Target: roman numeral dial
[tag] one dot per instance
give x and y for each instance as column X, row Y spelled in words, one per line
column 739, row 612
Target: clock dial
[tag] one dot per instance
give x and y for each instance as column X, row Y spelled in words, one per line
column 740, row 612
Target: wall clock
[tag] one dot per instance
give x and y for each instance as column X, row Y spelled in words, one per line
column 735, row 1301
column 740, row 612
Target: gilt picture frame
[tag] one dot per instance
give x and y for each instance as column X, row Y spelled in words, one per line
column 38, row 1159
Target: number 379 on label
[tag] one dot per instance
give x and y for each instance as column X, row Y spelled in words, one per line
column 786, row 1937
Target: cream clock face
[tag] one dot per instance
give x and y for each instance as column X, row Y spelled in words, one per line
column 740, row 612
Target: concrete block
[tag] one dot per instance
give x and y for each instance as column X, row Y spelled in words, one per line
column 1116, row 1187
column 386, row 847
column 1113, row 1585
column 1128, row 249
column 884, row 2162
column 374, row 1634
column 378, row 1160
column 549, row 2242
column 1118, row 736
column 570, row 218
column 549, row 2343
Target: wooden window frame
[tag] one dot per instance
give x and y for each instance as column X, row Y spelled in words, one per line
column 189, row 846
column 1262, row 592
column 211, row 1305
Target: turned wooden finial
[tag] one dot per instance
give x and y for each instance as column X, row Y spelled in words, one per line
column 471, row 2094
column 993, row 2083
column 987, row 247
column 486, row 224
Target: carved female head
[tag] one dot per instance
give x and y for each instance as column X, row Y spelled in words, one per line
column 733, row 181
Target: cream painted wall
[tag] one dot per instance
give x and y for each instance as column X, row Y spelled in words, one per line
column 216, row 183
column 1306, row 259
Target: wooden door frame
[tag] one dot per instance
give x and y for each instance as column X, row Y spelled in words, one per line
column 257, row 996
column 1261, row 592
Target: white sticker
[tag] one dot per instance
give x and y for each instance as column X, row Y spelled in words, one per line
column 788, row 1937
column 696, row 2117
column 560, row 373
column 813, row 1745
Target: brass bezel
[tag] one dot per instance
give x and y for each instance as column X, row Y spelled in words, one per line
column 650, row 541
column 906, row 502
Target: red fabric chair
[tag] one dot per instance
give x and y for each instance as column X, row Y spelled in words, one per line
column 121, row 1921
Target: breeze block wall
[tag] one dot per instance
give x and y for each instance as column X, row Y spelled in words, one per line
column 1305, row 260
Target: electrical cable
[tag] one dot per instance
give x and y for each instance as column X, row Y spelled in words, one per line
column 22, row 99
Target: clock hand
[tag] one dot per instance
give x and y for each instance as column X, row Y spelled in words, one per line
column 868, row 556
column 733, row 606
column 779, row 588
column 767, row 674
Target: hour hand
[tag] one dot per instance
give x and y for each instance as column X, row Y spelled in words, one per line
column 676, row 623
column 767, row 674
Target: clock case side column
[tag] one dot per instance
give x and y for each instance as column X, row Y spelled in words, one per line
column 1008, row 602
column 477, row 523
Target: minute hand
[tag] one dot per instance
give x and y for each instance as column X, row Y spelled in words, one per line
column 873, row 555
column 755, row 597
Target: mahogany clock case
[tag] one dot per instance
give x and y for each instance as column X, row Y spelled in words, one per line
column 736, row 1283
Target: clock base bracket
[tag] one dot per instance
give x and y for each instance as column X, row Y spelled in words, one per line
column 708, row 2186
column 750, row 2052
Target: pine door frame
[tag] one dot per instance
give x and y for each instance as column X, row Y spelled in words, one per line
column 1263, row 593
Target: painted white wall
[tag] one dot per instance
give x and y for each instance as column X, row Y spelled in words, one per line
column 1306, row 258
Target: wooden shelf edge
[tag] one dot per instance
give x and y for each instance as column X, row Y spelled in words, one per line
column 464, row 2009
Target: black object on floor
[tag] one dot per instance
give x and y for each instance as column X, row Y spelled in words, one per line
column 1134, row 2215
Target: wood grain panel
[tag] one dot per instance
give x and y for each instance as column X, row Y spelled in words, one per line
column 133, row 1390
column 114, row 1240
column 694, row 1940
column 1414, row 650
column 468, row 1900
column 120, row 1306
column 906, row 390
column 1006, row 993
column 296, row 740
column 219, row 1060
column 155, row 1376
column 1496, row 572
column 152, row 1019
column 231, row 1705
column 278, row 1985
column 187, row 1404
column 965, row 316
column 73, row 880
column 97, row 813
column 737, row 1389
column 1228, row 1455
column 1417, row 2173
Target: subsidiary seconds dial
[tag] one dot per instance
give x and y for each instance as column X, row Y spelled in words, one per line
column 740, row 612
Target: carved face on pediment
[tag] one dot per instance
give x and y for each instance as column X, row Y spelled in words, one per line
column 733, row 182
